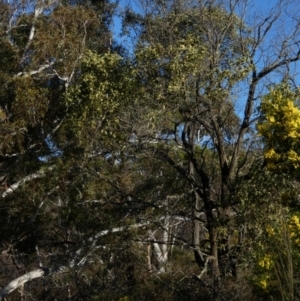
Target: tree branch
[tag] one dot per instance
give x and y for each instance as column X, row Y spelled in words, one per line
column 37, row 175
column 39, row 70
column 16, row 283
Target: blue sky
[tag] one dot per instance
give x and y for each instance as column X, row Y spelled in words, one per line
column 259, row 6
column 256, row 11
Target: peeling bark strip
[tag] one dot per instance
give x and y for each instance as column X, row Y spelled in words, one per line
column 16, row 283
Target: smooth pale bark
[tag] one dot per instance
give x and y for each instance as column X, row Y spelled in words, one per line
column 161, row 250
column 33, row 72
column 16, row 283
column 38, row 273
column 37, row 175
column 38, row 10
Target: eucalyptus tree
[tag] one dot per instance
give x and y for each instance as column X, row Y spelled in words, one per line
column 202, row 68
column 42, row 47
column 99, row 151
column 58, row 99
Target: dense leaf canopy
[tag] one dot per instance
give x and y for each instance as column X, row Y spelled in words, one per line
column 166, row 171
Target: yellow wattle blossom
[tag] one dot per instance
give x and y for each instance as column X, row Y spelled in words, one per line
column 281, row 128
column 294, row 222
column 266, row 262
column 293, row 157
column 270, row 231
column 272, row 258
column 271, row 154
column 294, row 229
column 263, row 283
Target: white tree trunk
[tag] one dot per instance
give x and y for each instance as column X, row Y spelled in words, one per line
column 161, row 250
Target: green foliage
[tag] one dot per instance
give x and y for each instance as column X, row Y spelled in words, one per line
column 94, row 104
column 107, row 160
column 31, row 103
column 267, row 240
column 63, row 35
column 173, row 59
